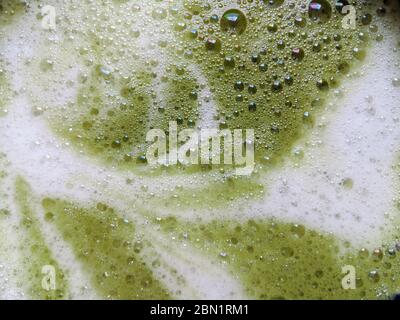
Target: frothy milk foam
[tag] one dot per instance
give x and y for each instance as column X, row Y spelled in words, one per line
column 354, row 140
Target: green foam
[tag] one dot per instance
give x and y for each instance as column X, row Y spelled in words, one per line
column 35, row 252
column 9, row 10
column 274, row 260
column 117, row 135
column 112, row 113
column 215, row 196
column 109, row 250
column 286, row 68
column 4, row 92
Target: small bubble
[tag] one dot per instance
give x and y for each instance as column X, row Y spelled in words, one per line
column 374, row 276
column 289, row 80
column 381, row 11
column 213, row 45
column 396, row 82
column 277, row 86
column 272, row 27
column 287, row 252
column 344, row 68
column 298, row 153
column 263, row 67
column 377, row 255
column 316, row 47
column 281, row 44
column 192, row 34
column 299, row 22
column 297, row 54
column 255, row 58
column 320, row 10
column 252, row 107
column 239, row 86
column 366, row 19
column 229, row 62
column 252, row 89
column 322, row 85
column 180, row 26
column 214, row 18
column 340, row 4
column 358, row 53
column 46, row 65
column 391, row 252
column 159, row 14
column 136, row 8
column 234, row 21
column 275, row 3
column 104, row 72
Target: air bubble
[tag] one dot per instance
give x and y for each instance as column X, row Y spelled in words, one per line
column 340, row 4
column 396, row 82
column 322, row 85
column 213, row 45
column 229, row 62
column 366, row 19
column 297, row 54
column 320, row 10
column 159, row 14
column 263, row 67
column 274, row 3
column 234, row 21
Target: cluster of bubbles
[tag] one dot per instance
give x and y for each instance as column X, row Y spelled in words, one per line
column 288, row 261
column 266, row 65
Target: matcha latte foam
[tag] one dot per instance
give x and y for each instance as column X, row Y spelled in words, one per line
column 84, row 216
